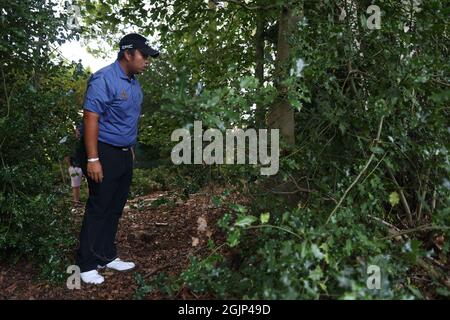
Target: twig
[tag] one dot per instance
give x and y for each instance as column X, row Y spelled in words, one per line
column 383, row 222
column 375, row 168
column 290, row 192
column 440, row 82
column 216, row 249
column 157, row 270
column 350, row 72
column 296, row 184
column 63, row 176
column 402, row 197
column 422, row 196
column 433, row 202
column 275, row 227
column 422, row 263
column 164, row 266
column 421, row 228
column 372, row 156
column 6, row 94
column 433, row 272
column 299, row 189
column 438, row 263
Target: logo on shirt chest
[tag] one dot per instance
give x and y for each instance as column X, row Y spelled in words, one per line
column 123, row 95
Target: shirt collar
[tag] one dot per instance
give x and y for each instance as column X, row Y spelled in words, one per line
column 122, row 74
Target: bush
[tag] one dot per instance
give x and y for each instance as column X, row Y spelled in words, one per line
column 294, row 258
column 39, row 107
column 144, row 182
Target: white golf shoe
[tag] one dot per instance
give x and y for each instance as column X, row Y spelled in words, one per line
column 119, row 265
column 92, row 277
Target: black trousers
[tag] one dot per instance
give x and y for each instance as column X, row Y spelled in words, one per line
column 104, row 206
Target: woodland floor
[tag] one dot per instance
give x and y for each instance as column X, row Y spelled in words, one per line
column 157, row 238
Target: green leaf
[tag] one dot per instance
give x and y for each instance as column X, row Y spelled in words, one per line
column 394, row 199
column 316, row 251
column 217, row 201
column 296, row 104
column 234, row 237
column 443, row 292
column 441, row 96
column 415, row 291
column 249, row 83
column 316, row 274
column 239, row 208
column 245, row 221
column 224, row 222
column 264, row 217
column 342, row 127
column 377, row 150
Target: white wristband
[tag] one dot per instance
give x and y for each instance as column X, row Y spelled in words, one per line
column 93, row 159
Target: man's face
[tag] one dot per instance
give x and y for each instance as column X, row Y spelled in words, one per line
column 139, row 62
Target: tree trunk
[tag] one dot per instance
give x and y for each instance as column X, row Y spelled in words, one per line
column 259, row 68
column 281, row 114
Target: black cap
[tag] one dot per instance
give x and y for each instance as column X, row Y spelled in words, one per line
column 136, row 41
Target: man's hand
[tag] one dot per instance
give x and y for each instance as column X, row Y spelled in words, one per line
column 95, row 171
column 132, row 151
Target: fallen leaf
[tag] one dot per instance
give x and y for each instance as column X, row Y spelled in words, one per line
column 202, row 224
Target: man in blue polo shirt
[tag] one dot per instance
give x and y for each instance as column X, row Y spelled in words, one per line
column 112, row 108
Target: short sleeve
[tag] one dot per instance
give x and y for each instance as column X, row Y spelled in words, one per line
column 98, row 94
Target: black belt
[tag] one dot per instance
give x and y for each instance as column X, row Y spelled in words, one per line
column 116, row 147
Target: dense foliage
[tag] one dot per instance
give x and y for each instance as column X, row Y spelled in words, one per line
column 39, row 99
column 362, row 181
column 371, row 138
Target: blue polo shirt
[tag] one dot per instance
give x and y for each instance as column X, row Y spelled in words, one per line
column 117, row 100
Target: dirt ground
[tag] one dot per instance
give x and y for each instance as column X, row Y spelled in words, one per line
column 158, row 238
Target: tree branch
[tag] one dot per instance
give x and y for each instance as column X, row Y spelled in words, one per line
column 246, row 6
column 421, row 228
column 372, row 156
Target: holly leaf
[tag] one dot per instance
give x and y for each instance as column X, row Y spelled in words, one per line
column 234, row 237
column 264, row 217
column 245, row 221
